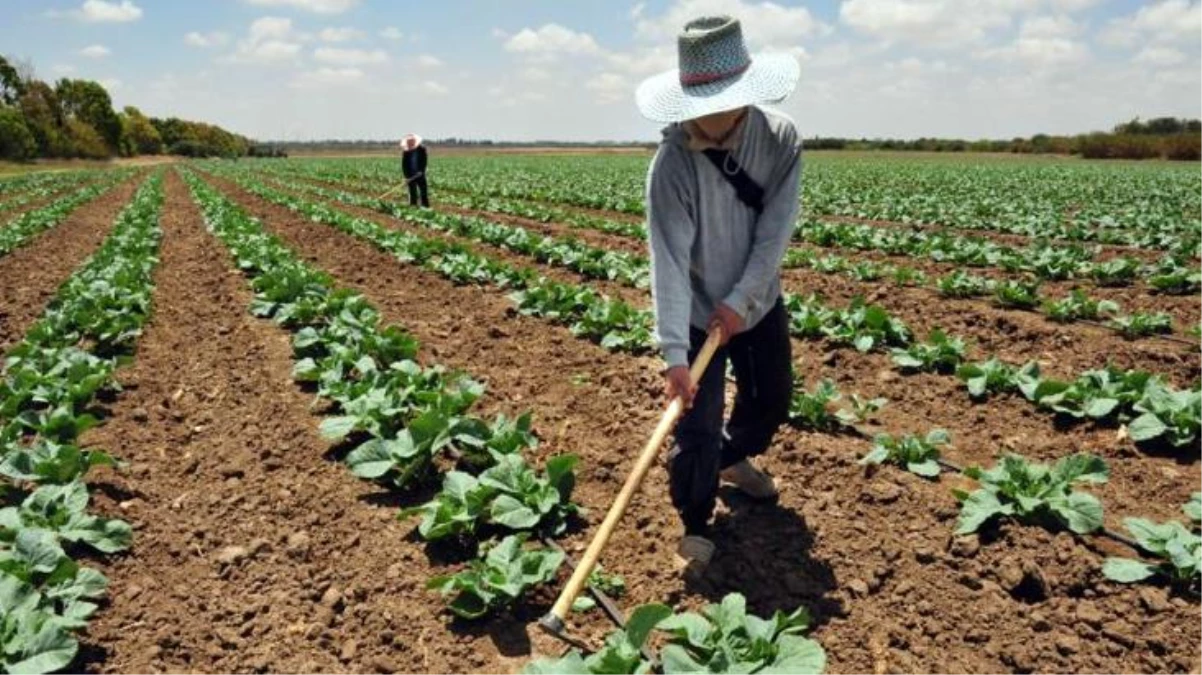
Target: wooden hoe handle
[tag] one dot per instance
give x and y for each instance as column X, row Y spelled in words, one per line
column 554, row 620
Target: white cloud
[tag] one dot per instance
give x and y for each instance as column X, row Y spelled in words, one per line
column 63, row 69
column 269, row 40
column 766, row 25
column 1169, row 21
column 926, row 22
column 95, row 51
column 550, row 40
column 611, row 88
column 314, row 6
column 1160, row 56
column 392, row 33
column 325, row 78
column 350, row 57
column 534, row 74
column 343, row 34
column 429, row 61
column 206, row 40
column 99, row 11
column 110, row 83
column 1043, row 42
column 432, row 87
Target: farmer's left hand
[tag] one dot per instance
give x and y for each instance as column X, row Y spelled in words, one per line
column 728, row 319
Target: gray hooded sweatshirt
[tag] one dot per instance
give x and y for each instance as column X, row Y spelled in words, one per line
column 707, row 247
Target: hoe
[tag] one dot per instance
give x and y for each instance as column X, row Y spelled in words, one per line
column 553, row 621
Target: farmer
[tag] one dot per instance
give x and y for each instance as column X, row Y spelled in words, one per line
column 413, row 167
column 722, row 196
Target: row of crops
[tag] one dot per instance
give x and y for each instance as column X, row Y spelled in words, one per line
column 1015, row 488
column 50, row 383
column 409, row 426
column 1154, row 206
column 400, row 420
column 1031, row 265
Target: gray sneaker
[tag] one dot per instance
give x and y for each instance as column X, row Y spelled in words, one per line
column 753, row 482
column 695, row 553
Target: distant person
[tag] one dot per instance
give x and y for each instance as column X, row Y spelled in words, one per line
column 722, row 197
column 413, row 167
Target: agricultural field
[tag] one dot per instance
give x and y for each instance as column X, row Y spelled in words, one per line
column 255, row 418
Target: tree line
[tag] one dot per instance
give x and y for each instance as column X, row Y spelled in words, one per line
column 1163, row 137
column 75, row 119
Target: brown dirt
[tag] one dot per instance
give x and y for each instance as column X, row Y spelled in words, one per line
column 558, row 273
column 32, row 274
column 1185, row 310
column 10, row 211
column 870, row 554
column 224, row 454
column 1064, row 349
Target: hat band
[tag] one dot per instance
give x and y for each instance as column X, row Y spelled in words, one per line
column 693, row 79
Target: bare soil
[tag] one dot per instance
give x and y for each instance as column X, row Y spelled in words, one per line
column 31, row 275
column 868, row 552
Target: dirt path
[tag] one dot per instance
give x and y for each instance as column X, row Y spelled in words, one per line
column 869, row 555
column 225, row 464
column 32, row 274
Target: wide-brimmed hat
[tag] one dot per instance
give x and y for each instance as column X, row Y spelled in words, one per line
column 417, row 140
column 715, row 73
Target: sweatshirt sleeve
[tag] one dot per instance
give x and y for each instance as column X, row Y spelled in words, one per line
column 773, row 229
column 671, row 229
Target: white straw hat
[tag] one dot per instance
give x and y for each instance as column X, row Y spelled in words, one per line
column 715, row 73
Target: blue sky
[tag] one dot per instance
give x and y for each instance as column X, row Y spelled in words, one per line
column 523, row 70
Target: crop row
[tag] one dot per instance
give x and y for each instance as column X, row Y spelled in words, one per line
column 50, row 381
column 396, row 419
column 1047, row 495
column 611, row 322
column 1153, row 208
column 40, row 191
column 632, row 270
column 493, row 499
column 41, row 181
column 868, row 327
column 18, row 231
column 1173, row 273
column 859, row 326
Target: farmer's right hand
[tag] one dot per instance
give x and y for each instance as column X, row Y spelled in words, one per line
column 678, row 383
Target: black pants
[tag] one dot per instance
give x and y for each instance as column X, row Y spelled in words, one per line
column 415, row 186
column 762, row 361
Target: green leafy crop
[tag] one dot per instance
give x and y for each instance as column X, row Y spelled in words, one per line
column 917, row 454
column 940, row 353
column 507, row 570
column 509, row 495
column 1178, row 550
column 1034, row 492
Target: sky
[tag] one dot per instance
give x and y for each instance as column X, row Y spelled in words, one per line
column 524, row 70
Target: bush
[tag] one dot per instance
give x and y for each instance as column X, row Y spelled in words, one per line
column 85, row 141
column 1119, row 146
column 16, row 142
column 1186, row 147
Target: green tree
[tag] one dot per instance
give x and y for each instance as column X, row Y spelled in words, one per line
column 138, row 135
column 11, row 85
column 89, row 103
column 44, row 117
column 15, row 140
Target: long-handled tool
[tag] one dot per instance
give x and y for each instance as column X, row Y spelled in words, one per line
column 553, row 621
column 403, row 184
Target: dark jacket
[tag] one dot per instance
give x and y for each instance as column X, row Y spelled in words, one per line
column 413, row 161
